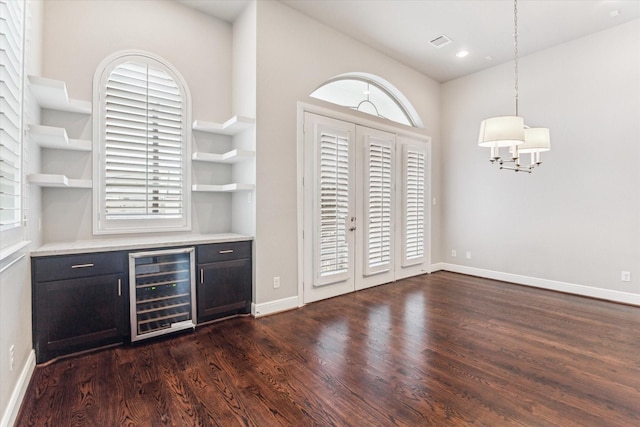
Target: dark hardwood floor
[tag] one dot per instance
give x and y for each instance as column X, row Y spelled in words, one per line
column 442, row 349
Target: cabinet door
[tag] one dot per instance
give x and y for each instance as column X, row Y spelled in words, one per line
column 78, row 314
column 224, row 289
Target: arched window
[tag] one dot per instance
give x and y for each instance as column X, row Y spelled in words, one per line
column 369, row 94
column 141, row 146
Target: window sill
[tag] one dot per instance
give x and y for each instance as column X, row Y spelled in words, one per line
column 10, row 255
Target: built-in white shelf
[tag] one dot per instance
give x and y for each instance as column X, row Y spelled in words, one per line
column 53, row 94
column 226, row 188
column 54, row 137
column 233, row 156
column 54, row 180
column 233, row 126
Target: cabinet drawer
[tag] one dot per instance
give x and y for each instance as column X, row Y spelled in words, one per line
column 223, row 252
column 62, row 267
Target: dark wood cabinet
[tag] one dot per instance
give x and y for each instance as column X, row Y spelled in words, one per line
column 224, row 280
column 79, row 303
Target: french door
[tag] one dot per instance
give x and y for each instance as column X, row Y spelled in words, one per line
column 365, row 216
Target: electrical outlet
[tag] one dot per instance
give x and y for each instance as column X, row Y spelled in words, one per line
column 454, row 253
column 625, row 276
column 11, row 358
column 468, row 254
column 276, row 282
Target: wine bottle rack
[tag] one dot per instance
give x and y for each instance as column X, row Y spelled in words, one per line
column 163, row 292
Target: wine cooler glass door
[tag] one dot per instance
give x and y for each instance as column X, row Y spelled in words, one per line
column 162, row 292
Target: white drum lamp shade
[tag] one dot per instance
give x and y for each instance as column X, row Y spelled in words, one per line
column 536, row 140
column 504, row 131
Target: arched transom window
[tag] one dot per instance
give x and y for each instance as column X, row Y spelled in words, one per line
column 369, row 94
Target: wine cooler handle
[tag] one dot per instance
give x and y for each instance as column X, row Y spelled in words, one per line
column 82, row 265
column 226, row 251
column 119, row 287
column 202, row 275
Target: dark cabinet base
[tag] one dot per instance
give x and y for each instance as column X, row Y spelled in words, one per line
column 80, row 302
column 225, row 276
column 82, row 311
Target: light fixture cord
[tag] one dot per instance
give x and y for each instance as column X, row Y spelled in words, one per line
column 515, row 48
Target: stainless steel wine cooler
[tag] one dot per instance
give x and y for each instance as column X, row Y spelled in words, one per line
column 162, row 285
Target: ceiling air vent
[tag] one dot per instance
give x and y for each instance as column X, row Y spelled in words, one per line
column 440, row 41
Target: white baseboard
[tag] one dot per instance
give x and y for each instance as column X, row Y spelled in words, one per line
column 570, row 288
column 11, row 411
column 439, row 266
column 272, row 307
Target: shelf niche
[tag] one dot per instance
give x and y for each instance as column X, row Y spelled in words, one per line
column 233, row 126
column 233, row 156
column 226, row 188
column 60, row 181
column 53, row 94
column 54, row 137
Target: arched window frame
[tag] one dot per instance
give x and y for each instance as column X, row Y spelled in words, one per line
column 395, row 95
column 101, row 223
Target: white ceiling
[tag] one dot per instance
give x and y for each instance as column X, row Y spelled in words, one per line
column 402, row 29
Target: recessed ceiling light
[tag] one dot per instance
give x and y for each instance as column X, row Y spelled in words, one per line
column 489, row 58
column 614, row 13
column 462, row 53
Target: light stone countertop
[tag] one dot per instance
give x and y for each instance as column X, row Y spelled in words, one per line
column 134, row 243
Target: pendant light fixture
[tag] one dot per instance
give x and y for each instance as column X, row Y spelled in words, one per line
column 510, row 131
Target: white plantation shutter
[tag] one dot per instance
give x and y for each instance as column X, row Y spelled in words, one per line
column 378, row 206
column 413, row 224
column 11, row 89
column 144, row 150
column 333, row 204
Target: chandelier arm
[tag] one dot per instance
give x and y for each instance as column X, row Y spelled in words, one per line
column 517, row 169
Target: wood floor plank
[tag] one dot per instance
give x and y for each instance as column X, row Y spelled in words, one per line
column 436, row 350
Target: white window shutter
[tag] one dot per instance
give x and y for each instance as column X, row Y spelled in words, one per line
column 378, row 207
column 413, row 204
column 144, row 134
column 11, row 122
column 333, row 204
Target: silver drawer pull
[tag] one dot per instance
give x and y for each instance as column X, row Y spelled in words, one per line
column 226, row 251
column 82, row 265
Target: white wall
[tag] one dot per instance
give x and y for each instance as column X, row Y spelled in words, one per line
column 244, row 104
column 575, row 220
column 15, row 281
column 78, row 35
column 296, row 55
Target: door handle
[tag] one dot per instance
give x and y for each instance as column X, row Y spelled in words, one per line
column 119, row 287
column 352, row 228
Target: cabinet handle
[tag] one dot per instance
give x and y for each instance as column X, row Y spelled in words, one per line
column 226, row 251
column 82, row 265
column 202, row 275
column 119, row 287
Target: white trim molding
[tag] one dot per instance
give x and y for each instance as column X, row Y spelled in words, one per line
column 272, row 307
column 554, row 285
column 11, row 412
